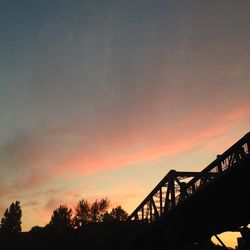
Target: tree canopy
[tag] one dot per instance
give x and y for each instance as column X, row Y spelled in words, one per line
column 11, row 222
column 116, row 214
column 89, row 213
column 82, row 213
column 61, row 219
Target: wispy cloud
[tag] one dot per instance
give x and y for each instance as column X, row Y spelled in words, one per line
column 35, row 159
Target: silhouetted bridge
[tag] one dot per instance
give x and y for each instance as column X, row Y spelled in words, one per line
column 188, row 206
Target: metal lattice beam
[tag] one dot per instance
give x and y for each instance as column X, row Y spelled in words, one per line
column 177, row 187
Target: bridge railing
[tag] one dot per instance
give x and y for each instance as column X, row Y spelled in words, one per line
column 172, row 190
column 229, row 159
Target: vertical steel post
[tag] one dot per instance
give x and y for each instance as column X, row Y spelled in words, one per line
column 150, row 212
column 172, row 189
column 161, row 201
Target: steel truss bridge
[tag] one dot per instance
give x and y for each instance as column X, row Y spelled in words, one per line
column 189, row 206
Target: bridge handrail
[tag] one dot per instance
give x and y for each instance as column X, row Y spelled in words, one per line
column 217, row 165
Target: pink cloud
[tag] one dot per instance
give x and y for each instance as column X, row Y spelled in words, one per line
column 118, row 151
column 66, row 153
column 98, row 151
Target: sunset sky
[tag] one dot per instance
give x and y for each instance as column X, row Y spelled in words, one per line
column 103, row 98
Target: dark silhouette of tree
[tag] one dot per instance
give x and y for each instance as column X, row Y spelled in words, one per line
column 97, row 209
column 61, row 219
column 86, row 213
column 116, row 214
column 107, row 217
column 11, row 222
column 82, row 214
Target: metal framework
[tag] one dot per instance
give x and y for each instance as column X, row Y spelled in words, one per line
column 177, row 187
column 163, row 197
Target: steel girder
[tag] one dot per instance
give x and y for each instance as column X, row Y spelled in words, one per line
column 177, row 187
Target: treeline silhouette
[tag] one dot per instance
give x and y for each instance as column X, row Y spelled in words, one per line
column 89, row 226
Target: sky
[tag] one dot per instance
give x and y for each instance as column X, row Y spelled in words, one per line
column 102, row 98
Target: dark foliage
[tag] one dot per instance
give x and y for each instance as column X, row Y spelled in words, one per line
column 36, row 229
column 94, row 236
column 86, row 213
column 97, row 209
column 61, row 219
column 116, row 214
column 11, row 222
column 82, row 214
